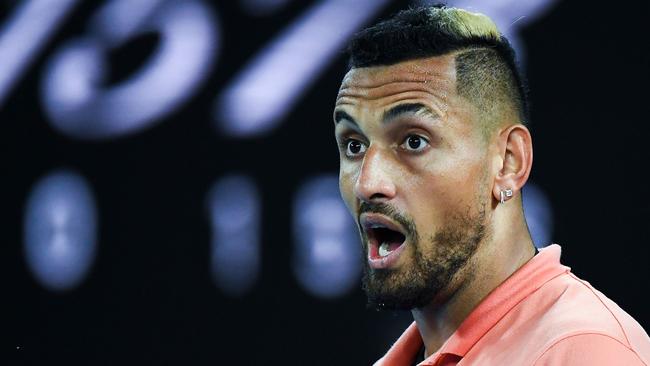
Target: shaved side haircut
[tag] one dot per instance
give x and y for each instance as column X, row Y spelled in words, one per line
column 486, row 71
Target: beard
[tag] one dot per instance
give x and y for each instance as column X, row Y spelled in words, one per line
column 416, row 284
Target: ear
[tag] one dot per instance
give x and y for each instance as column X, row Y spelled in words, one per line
column 516, row 154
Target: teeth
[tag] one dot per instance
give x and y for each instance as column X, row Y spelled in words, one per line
column 383, row 249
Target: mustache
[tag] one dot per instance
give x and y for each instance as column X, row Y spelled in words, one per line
column 387, row 210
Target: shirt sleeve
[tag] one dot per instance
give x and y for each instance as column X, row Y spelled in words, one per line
column 589, row 349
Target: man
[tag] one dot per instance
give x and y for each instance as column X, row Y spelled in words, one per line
column 434, row 151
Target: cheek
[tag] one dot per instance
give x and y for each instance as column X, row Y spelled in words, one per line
column 437, row 194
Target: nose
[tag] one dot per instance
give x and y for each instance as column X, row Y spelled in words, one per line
column 374, row 182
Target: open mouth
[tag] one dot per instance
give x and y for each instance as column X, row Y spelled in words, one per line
column 385, row 240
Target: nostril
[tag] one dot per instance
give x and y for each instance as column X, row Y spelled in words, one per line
column 377, row 196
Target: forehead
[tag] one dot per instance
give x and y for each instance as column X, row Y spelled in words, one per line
column 430, row 80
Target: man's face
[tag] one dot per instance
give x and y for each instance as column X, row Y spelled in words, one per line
column 414, row 174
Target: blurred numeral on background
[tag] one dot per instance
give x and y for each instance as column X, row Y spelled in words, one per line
column 60, row 230
column 327, row 253
column 263, row 93
column 235, row 215
column 73, row 90
column 539, row 214
column 24, row 34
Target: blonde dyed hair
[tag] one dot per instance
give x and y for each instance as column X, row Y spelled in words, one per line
column 465, row 24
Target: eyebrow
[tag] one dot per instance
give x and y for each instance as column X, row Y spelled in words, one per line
column 341, row 115
column 409, row 108
column 391, row 114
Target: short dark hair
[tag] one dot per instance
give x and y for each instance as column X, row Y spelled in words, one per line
column 486, row 70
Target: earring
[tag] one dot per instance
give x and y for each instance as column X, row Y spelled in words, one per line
column 505, row 194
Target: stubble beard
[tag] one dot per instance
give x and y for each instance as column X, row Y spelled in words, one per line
column 416, row 284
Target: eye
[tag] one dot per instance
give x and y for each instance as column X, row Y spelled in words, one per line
column 415, row 143
column 354, row 148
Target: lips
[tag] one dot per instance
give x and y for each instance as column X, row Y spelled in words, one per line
column 386, row 240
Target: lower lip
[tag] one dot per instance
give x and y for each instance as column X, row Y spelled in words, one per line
column 377, row 262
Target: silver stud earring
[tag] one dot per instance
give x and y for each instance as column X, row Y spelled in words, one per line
column 505, row 194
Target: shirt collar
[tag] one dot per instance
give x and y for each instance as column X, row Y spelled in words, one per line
column 531, row 276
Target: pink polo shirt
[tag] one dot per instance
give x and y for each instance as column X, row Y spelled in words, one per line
column 541, row 315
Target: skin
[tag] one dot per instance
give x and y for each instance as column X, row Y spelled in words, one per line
column 456, row 172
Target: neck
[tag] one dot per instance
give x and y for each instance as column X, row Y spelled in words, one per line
column 497, row 257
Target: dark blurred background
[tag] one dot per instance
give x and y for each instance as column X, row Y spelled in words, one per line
column 169, row 185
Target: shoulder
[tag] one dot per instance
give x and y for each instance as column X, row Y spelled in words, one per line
column 565, row 312
column 589, row 349
column 581, row 323
column 572, row 306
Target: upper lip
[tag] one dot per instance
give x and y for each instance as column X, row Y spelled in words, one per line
column 369, row 221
